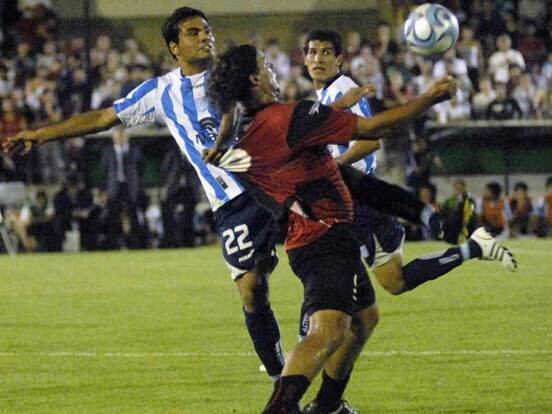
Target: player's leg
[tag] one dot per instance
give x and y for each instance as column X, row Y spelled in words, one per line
column 326, row 269
column 338, row 369
column 247, row 232
column 391, row 199
column 397, row 279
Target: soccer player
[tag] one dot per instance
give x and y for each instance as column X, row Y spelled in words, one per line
column 381, row 235
column 178, row 100
column 283, row 161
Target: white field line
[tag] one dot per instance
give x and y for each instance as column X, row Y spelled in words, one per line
column 369, row 354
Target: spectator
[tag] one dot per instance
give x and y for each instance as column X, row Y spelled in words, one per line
column 504, row 106
column 353, row 42
column 419, row 84
column 533, row 10
column 493, row 211
column 458, row 212
column 277, row 58
column 420, row 163
column 471, row 52
column 6, row 84
column 482, row 99
column 544, row 210
column 368, row 71
column 122, row 162
column 385, row 48
column 531, row 46
column 522, row 209
column 132, row 54
column 34, row 227
column 543, row 102
column 452, row 110
column 500, row 61
column 524, row 93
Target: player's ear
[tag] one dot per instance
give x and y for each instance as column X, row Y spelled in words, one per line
column 173, row 48
column 254, row 79
column 339, row 61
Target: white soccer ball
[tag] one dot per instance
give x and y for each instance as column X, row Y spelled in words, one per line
column 431, row 29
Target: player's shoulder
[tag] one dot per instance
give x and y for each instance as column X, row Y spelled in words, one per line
column 342, row 84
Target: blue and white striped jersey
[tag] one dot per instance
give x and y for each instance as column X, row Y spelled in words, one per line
column 331, row 93
column 180, row 102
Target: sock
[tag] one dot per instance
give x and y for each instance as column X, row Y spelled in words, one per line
column 470, row 250
column 265, row 334
column 288, row 391
column 431, row 266
column 331, row 392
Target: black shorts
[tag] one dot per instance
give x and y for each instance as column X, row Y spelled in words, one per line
column 332, row 272
column 248, row 235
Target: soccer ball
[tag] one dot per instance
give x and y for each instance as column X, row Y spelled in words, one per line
column 431, row 29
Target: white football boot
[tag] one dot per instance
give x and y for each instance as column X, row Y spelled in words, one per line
column 492, row 250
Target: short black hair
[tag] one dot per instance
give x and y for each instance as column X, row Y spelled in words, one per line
column 229, row 79
column 549, row 181
column 323, row 35
column 520, row 185
column 171, row 27
column 494, row 188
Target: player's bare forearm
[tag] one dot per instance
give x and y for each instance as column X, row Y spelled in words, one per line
column 358, row 151
column 371, row 128
column 224, row 134
column 78, row 125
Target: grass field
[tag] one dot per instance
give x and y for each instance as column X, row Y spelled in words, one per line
column 162, row 332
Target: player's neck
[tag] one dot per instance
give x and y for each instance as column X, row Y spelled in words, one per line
column 193, row 68
column 321, row 84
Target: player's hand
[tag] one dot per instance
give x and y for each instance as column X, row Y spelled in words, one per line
column 212, row 155
column 18, row 144
column 235, row 160
column 354, row 95
column 443, row 89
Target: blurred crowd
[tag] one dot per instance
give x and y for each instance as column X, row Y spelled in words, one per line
column 503, row 63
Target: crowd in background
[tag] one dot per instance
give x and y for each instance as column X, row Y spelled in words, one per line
column 503, row 64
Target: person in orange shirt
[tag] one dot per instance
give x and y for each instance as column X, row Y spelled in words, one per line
column 493, row 211
column 544, row 209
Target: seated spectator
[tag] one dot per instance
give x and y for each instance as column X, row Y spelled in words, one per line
column 542, row 102
column 494, row 212
column 458, row 212
column 449, row 64
column 522, row 209
column 544, row 211
column 419, row 84
column 6, row 84
column 365, row 72
column 482, row 99
column 504, row 106
column 524, row 94
column 132, row 54
column 353, row 43
column 35, row 227
column 385, row 48
column 304, row 85
column 452, row 110
column 531, row 46
column 419, row 165
column 500, row 61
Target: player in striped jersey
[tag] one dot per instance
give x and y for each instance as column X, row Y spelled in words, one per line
column 178, row 100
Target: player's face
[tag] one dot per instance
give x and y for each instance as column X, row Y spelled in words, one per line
column 321, row 61
column 195, row 41
column 268, row 82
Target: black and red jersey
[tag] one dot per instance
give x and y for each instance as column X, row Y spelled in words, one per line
column 291, row 167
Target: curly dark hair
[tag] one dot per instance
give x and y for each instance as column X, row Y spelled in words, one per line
column 171, row 27
column 229, row 80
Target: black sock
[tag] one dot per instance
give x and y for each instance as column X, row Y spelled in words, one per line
column 288, row 391
column 331, row 392
column 431, row 267
column 265, row 334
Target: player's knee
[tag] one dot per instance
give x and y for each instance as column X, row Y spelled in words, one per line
column 391, row 279
column 364, row 323
column 253, row 292
column 330, row 328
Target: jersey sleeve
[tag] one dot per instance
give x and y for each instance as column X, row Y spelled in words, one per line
column 138, row 107
column 314, row 124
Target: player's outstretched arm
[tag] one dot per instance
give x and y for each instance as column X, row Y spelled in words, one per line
column 371, row 128
column 78, row 125
column 214, row 153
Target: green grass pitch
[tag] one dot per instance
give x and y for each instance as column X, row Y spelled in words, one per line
column 162, row 332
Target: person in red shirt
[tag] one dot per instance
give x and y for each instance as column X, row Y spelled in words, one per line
column 283, row 161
